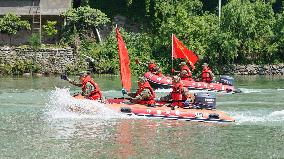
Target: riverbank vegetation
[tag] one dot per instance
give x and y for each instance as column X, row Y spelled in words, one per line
column 248, row 31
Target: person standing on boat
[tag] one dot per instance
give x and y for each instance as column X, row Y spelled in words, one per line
column 145, row 94
column 206, row 75
column 90, row 88
column 184, row 73
column 180, row 97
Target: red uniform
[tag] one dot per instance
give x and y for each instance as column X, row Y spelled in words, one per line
column 188, row 76
column 177, row 96
column 151, row 67
column 206, row 76
column 151, row 99
column 160, row 74
column 96, row 93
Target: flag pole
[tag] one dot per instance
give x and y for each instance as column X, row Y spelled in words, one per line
column 172, row 53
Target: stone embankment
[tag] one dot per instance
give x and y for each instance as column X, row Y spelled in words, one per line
column 252, row 69
column 50, row 60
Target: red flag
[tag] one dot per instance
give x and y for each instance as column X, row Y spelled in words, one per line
column 180, row 51
column 125, row 73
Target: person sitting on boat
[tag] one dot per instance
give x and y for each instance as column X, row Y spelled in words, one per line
column 151, row 64
column 145, row 94
column 206, row 75
column 157, row 71
column 90, row 88
column 180, row 97
column 184, row 73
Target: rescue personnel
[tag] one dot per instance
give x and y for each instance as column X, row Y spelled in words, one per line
column 206, row 74
column 90, row 88
column 157, row 71
column 151, row 65
column 184, row 73
column 180, row 97
column 145, row 94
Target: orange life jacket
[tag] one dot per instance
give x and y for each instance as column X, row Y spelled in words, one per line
column 188, row 76
column 95, row 94
column 177, row 96
column 151, row 67
column 206, row 77
column 151, row 99
column 160, row 74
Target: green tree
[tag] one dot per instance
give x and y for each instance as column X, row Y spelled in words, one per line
column 11, row 24
column 50, row 28
column 83, row 21
column 250, row 24
column 279, row 36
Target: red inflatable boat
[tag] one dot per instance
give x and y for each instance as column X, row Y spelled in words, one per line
column 166, row 82
column 162, row 111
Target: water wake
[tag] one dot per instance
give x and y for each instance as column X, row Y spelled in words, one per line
column 60, row 102
column 258, row 117
column 245, row 90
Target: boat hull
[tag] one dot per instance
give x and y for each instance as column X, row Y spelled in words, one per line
column 166, row 82
column 162, row 111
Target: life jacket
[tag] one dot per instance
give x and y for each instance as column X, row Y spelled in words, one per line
column 151, row 67
column 206, row 77
column 177, row 95
column 160, row 74
column 95, row 94
column 151, row 99
column 188, row 76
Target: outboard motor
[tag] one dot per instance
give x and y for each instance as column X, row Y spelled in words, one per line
column 227, row 80
column 205, row 100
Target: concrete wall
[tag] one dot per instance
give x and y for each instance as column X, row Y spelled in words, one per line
column 25, row 7
column 54, row 7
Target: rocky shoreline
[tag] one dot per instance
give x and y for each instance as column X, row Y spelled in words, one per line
column 252, row 69
column 58, row 60
column 49, row 60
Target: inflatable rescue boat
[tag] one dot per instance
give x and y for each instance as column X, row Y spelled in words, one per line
column 162, row 111
column 224, row 85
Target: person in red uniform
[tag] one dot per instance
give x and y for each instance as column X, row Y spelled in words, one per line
column 180, row 97
column 185, row 72
column 151, row 65
column 145, row 94
column 157, row 71
column 206, row 75
column 90, row 88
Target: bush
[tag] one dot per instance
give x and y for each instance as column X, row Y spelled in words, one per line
column 34, row 41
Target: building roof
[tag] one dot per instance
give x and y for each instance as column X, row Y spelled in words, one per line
column 29, row 7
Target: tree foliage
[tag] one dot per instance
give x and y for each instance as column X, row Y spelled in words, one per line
column 10, row 24
column 50, row 28
column 250, row 32
column 82, row 21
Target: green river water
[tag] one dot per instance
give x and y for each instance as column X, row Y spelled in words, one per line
column 34, row 123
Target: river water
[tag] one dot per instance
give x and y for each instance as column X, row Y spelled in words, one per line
column 34, row 123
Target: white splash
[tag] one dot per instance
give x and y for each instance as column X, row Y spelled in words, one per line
column 277, row 114
column 60, row 102
column 258, row 117
column 245, row 90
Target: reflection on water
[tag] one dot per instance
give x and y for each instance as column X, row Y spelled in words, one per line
column 36, row 123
